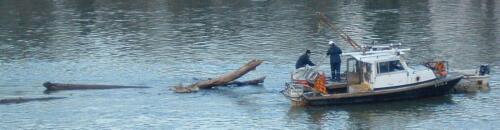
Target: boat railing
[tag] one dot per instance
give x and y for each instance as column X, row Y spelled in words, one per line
column 400, row 51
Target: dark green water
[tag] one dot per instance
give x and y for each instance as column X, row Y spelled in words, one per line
column 164, row 43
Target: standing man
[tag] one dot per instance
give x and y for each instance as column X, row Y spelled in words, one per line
column 304, row 60
column 335, row 62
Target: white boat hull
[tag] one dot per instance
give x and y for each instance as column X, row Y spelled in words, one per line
column 472, row 81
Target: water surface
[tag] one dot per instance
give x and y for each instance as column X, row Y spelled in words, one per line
column 164, row 43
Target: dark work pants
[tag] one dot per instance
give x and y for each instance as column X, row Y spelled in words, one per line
column 335, row 67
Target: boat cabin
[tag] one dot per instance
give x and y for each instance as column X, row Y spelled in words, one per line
column 379, row 69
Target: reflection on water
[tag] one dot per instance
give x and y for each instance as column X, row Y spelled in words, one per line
column 163, row 43
column 366, row 116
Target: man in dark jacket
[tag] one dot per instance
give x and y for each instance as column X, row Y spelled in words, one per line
column 334, row 53
column 304, row 60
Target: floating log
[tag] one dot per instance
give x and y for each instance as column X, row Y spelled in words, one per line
column 59, row 86
column 23, row 100
column 224, row 80
column 256, row 81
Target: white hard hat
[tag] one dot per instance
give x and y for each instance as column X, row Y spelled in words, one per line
column 330, row 43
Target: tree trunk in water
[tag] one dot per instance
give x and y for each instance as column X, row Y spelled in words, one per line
column 249, row 82
column 223, row 79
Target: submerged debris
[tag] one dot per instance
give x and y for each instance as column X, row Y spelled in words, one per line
column 60, row 86
column 23, row 100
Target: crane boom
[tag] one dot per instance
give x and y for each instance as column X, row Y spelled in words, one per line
column 325, row 21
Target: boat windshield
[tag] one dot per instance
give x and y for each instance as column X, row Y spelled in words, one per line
column 389, row 66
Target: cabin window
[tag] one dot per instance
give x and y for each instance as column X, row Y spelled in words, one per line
column 389, row 66
column 351, row 65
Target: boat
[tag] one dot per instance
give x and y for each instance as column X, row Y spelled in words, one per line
column 375, row 74
column 474, row 79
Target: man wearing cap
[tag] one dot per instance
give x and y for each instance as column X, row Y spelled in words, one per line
column 304, row 60
column 334, row 53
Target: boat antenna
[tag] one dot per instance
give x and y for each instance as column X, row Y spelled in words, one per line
column 325, row 21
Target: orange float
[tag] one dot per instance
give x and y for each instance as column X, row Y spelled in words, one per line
column 320, row 84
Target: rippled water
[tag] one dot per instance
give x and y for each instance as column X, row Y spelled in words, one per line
column 164, row 43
